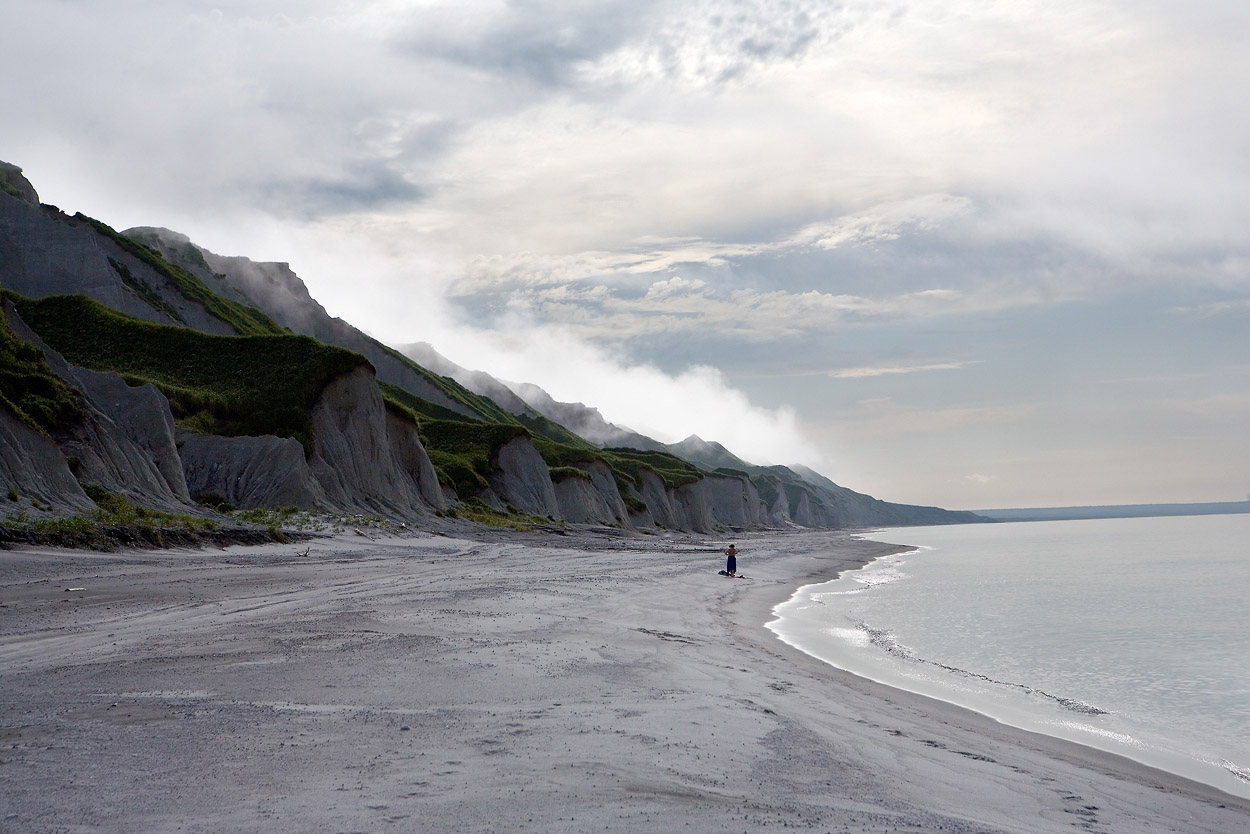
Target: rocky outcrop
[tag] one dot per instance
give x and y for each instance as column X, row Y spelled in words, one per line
column 581, row 419
column 521, row 480
column 353, row 458
column 410, row 454
column 592, row 498
column 33, row 467
column 250, row 472
column 274, row 288
column 734, row 501
column 125, row 440
column 126, row 443
column 479, row 382
column 364, row 460
column 45, row 252
column 14, row 183
column 707, row 455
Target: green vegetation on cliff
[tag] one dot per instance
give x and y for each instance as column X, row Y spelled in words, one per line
column 540, row 426
column 29, row 389
column 464, row 453
column 230, row 385
column 423, row 409
column 673, row 470
column 483, row 408
column 627, row 466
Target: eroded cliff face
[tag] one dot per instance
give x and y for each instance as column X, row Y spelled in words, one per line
column 45, row 252
column 692, row 506
column 711, row 504
column 274, row 288
column 125, row 440
column 32, row 466
column 522, row 480
column 593, row 499
column 412, row 458
column 734, row 501
column 126, row 443
column 250, row 472
column 353, row 458
column 365, row 459
column 659, row 509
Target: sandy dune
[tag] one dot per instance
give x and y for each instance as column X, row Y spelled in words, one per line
column 525, row 683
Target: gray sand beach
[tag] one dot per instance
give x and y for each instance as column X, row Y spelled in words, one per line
column 497, row 682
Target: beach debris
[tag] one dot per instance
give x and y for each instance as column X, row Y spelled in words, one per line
column 305, row 552
column 71, row 590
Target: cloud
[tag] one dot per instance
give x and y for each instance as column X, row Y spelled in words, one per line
column 371, row 187
column 544, row 41
column 666, row 406
column 884, row 222
column 696, row 308
column 768, row 187
column 710, row 44
column 1211, row 309
column 884, row 370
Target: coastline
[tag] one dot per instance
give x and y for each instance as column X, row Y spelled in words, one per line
column 503, row 682
column 802, row 624
column 1068, row 748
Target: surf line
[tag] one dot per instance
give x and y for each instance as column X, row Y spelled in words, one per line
column 884, row 640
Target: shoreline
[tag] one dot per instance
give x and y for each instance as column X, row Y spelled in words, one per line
column 817, row 580
column 505, row 682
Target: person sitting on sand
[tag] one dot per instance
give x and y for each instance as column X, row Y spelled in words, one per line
column 731, row 561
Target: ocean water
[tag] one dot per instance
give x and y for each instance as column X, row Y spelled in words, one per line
column 1129, row 635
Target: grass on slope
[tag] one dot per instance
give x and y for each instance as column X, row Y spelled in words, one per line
column 540, row 426
column 675, row 471
column 462, row 449
column 403, row 400
column 231, row 385
column 28, row 387
column 246, row 321
column 486, row 409
column 463, row 453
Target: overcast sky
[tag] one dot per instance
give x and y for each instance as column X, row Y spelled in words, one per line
column 969, row 253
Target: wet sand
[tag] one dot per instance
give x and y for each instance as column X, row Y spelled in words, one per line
column 499, row 683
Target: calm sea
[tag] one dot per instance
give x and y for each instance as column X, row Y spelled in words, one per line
column 1130, row 635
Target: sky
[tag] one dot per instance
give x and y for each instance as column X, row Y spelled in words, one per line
column 965, row 253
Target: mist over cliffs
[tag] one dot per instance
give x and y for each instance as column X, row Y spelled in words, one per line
column 140, row 364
